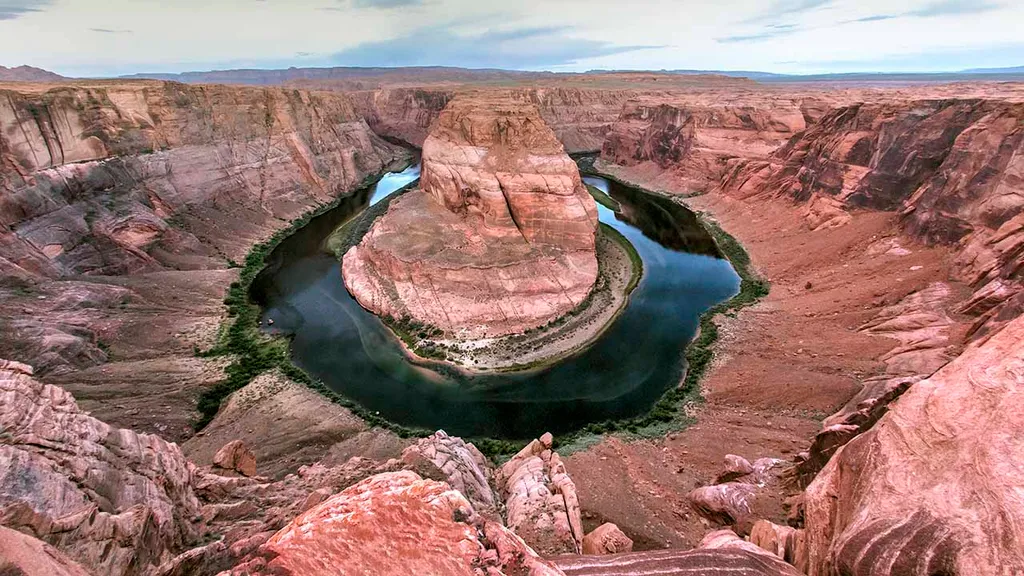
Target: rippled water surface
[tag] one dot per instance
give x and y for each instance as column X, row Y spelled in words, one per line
column 621, row 375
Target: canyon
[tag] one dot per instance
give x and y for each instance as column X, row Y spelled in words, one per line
column 859, row 419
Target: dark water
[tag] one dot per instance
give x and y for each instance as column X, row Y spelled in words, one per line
column 621, row 375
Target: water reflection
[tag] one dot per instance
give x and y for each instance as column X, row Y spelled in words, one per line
column 621, row 375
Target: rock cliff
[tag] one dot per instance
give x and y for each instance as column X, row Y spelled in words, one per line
column 499, row 238
column 123, row 208
column 695, row 139
column 933, row 487
column 951, row 168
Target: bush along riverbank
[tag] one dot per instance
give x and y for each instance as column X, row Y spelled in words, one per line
column 667, row 414
column 254, row 352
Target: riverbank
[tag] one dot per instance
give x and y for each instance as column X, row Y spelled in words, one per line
column 778, row 367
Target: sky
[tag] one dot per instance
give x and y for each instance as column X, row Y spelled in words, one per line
column 114, row 37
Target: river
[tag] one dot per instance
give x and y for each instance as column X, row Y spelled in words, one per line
column 621, row 375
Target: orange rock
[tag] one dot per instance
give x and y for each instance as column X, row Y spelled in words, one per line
column 934, row 486
column 606, row 539
column 394, row 523
column 499, row 239
column 237, row 457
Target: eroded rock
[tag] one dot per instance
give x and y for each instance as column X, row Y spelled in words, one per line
column 499, row 238
column 606, row 539
column 540, row 499
column 236, row 457
column 933, row 486
column 424, row 526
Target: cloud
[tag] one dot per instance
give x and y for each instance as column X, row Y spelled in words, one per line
column 874, row 18
column 953, row 7
column 522, row 48
column 933, row 9
column 766, row 35
column 110, row 31
column 384, row 3
column 783, row 8
column 12, row 9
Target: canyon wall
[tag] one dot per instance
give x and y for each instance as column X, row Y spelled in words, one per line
column 695, row 138
column 499, row 239
column 579, row 117
column 934, row 486
column 124, row 208
column 953, row 169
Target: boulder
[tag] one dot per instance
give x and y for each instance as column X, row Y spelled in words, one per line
column 606, row 539
column 722, row 504
column 394, row 523
column 235, row 456
column 540, row 499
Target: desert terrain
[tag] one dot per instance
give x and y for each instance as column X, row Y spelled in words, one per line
column 860, row 418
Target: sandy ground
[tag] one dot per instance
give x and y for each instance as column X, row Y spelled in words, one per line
column 781, row 366
column 574, row 332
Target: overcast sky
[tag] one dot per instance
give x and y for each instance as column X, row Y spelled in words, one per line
column 112, row 37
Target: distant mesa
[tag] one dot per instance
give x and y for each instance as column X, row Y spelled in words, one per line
column 28, row 74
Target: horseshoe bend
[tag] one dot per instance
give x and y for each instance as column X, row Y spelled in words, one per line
column 440, row 320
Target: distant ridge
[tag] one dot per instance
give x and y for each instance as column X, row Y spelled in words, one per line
column 256, row 76
column 28, row 74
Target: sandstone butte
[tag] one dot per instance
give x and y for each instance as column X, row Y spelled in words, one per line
column 498, row 239
column 887, row 219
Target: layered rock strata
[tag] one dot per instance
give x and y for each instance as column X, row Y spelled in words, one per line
column 695, row 140
column 951, row 168
column 540, row 499
column 123, row 207
column 500, row 237
column 933, row 487
column 114, row 500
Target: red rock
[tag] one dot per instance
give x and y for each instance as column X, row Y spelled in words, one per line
column 236, row 457
column 722, row 504
column 606, row 539
column 394, row 523
column 456, row 462
column 500, row 238
column 23, row 555
column 111, row 499
column 933, row 487
column 540, row 499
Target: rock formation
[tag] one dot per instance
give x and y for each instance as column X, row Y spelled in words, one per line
column 721, row 552
column 146, row 193
column 235, row 456
column 694, row 139
column 23, row 555
column 952, row 168
column 606, row 539
column 540, row 499
column 395, row 523
column 456, row 462
column 498, row 240
column 933, row 487
column 113, row 500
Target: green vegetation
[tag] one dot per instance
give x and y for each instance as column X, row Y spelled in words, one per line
column 666, row 415
column 602, row 198
column 634, row 256
column 254, row 353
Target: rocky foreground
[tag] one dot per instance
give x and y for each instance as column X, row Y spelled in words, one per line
column 499, row 238
column 887, row 220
